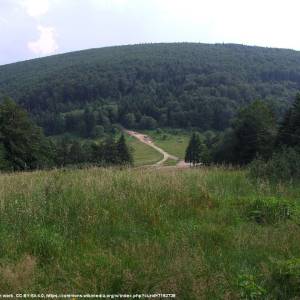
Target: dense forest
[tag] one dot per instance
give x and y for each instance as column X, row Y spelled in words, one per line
column 148, row 86
column 270, row 149
column 23, row 145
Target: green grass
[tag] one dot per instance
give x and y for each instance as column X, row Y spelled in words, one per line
column 189, row 232
column 170, row 162
column 174, row 144
column 143, row 154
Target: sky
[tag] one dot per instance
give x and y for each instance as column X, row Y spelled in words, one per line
column 37, row 28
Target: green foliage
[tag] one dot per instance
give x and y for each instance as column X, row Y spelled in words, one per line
column 285, row 278
column 222, row 149
column 123, row 153
column 269, row 210
column 105, row 153
column 249, row 289
column 254, row 129
column 289, row 131
column 90, row 123
column 147, row 123
column 99, row 131
column 196, row 150
column 129, row 120
column 176, row 85
column 44, row 244
column 23, row 144
column 284, row 165
column 4, row 163
column 253, row 134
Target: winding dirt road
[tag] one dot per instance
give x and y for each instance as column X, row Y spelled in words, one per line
column 148, row 141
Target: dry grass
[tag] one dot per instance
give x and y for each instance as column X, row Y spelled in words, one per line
column 18, row 276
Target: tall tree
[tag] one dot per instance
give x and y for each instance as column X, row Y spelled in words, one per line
column 289, row 131
column 4, row 163
column 76, row 153
column 90, row 123
column 62, row 149
column 123, row 152
column 23, row 142
column 255, row 131
column 110, row 154
column 195, row 151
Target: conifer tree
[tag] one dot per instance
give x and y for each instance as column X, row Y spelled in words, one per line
column 195, row 150
column 75, row 153
column 289, row 131
column 110, row 154
column 123, row 152
column 4, row 163
column 255, row 132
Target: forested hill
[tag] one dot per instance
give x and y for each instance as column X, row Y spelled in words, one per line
column 145, row 86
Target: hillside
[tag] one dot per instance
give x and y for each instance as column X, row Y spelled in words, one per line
column 154, row 85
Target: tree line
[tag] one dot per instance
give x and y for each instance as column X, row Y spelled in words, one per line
column 23, row 146
column 254, row 135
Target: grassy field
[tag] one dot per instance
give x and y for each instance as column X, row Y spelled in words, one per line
column 170, row 162
column 174, row 144
column 142, row 154
column 202, row 234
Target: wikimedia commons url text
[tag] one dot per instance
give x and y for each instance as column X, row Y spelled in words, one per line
column 87, row 296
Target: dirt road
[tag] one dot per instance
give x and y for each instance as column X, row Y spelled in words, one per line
column 148, row 141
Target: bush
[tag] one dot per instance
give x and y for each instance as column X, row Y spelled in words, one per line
column 4, row 164
column 269, row 210
column 249, row 289
column 283, row 166
column 285, row 278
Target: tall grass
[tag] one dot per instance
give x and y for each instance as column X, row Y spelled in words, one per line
column 172, row 231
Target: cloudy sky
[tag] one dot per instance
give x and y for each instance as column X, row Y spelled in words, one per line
column 36, row 28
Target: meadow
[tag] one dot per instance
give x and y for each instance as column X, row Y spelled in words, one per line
column 208, row 233
column 172, row 141
column 142, row 154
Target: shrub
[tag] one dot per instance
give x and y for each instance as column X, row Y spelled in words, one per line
column 159, row 131
column 269, row 210
column 285, row 278
column 249, row 289
column 283, row 166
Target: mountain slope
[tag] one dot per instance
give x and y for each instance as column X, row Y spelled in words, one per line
column 177, row 85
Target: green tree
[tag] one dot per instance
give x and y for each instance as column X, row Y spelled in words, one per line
column 255, row 132
column 129, row 120
column 4, row 164
column 110, row 154
column 75, row 153
column 23, row 142
column 123, row 152
column 99, row 131
column 196, row 150
column 289, row 131
column 147, row 122
column 90, row 123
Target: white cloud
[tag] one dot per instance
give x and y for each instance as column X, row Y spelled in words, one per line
column 110, row 4
column 36, row 8
column 3, row 20
column 46, row 44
